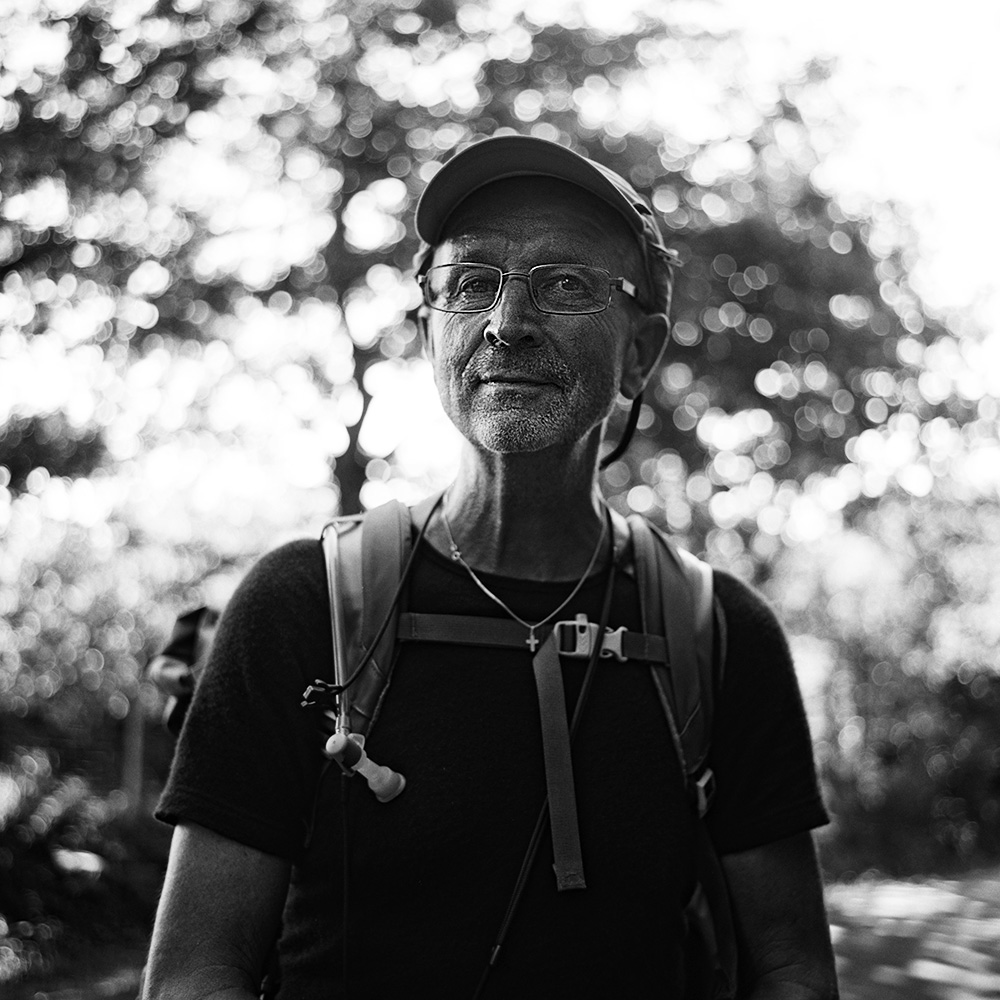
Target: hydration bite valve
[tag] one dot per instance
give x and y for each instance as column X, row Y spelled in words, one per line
column 348, row 749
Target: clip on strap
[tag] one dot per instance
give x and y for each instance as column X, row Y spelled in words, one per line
column 577, row 638
column 704, row 791
column 558, row 767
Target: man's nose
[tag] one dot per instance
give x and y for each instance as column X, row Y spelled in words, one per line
column 514, row 319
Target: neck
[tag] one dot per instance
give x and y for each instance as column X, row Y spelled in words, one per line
column 531, row 516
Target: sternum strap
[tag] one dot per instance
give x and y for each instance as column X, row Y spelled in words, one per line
column 578, row 639
column 470, row 630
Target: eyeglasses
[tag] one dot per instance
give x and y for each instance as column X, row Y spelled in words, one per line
column 557, row 289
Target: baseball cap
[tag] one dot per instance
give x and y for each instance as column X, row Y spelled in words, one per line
column 499, row 157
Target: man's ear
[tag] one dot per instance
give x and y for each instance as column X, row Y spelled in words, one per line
column 644, row 352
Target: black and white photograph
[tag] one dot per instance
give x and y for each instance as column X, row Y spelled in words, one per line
column 499, row 500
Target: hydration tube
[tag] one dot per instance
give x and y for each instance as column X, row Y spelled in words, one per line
column 348, row 750
column 345, row 747
column 356, row 673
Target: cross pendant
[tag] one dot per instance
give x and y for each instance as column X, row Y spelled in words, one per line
column 531, row 641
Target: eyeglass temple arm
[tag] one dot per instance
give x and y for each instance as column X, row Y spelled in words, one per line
column 626, row 286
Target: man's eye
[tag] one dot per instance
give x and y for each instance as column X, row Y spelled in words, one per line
column 475, row 284
column 563, row 283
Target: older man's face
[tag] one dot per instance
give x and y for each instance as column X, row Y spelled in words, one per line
column 558, row 376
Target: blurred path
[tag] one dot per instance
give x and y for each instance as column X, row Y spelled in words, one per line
column 110, row 974
column 927, row 940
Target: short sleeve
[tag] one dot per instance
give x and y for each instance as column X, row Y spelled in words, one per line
column 766, row 787
column 248, row 756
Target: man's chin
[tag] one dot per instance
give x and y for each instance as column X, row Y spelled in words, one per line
column 513, row 433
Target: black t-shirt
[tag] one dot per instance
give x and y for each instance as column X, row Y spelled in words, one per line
column 430, row 873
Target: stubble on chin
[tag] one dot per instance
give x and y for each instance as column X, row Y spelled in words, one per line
column 508, row 423
column 509, row 430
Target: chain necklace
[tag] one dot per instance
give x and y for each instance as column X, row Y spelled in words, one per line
column 531, row 641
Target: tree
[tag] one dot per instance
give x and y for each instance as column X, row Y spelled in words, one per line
column 331, row 119
column 901, row 606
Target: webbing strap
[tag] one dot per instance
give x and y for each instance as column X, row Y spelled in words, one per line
column 558, row 767
column 543, row 816
column 470, row 630
column 331, row 556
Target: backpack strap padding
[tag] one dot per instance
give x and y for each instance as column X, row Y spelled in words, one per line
column 363, row 568
column 385, row 540
column 385, row 545
column 701, row 587
column 330, row 540
column 675, row 591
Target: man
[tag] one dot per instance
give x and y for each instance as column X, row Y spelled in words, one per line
column 405, row 898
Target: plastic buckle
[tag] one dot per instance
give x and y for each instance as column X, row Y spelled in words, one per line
column 704, row 790
column 611, row 644
column 576, row 639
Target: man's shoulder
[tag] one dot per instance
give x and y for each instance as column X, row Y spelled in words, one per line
column 744, row 609
column 736, row 596
column 742, row 603
column 299, row 556
column 283, row 595
column 290, row 569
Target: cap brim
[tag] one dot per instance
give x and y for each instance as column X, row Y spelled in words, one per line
column 506, row 156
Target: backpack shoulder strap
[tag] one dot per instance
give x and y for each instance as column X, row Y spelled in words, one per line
column 677, row 601
column 366, row 556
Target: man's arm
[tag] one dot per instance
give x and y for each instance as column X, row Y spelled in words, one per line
column 781, row 922
column 217, row 920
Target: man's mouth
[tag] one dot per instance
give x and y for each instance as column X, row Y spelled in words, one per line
column 515, row 378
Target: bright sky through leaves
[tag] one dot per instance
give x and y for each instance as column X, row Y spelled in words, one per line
column 904, row 117
column 910, row 116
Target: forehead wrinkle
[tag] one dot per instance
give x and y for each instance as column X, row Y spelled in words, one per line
column 544, row 221
column 504, row 254
column 550, row 246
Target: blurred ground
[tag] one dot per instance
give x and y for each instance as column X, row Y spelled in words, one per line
column 111, row 973
column 918, row 940
column 926, row 940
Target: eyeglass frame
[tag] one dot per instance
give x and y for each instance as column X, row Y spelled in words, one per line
column 621, row 284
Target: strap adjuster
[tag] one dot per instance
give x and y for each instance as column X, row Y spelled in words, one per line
column 704, row 790
column 321, row 693
column 576, row 639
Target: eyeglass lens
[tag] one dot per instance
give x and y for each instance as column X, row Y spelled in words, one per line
column 557, row 288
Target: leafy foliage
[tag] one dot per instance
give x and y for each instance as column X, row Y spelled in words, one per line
column 64, row 858
column 910, row 745
column 778, row 311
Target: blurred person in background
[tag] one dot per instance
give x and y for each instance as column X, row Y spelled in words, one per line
column 546, row 292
